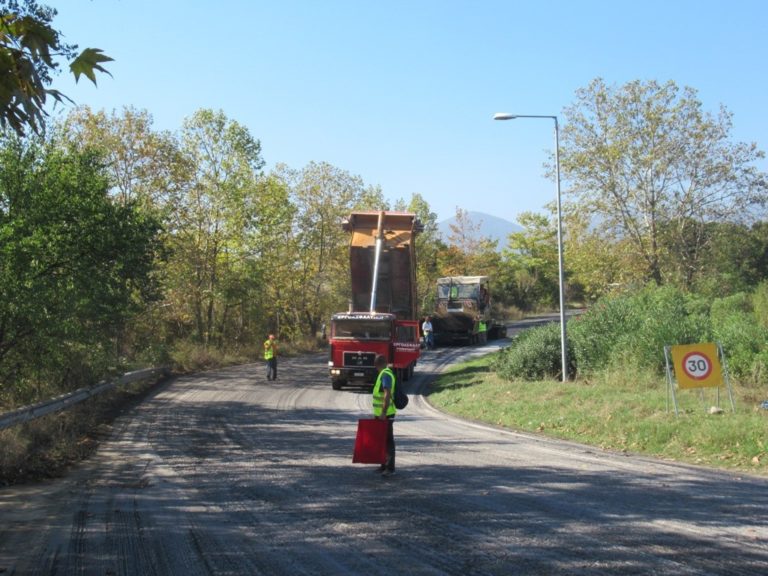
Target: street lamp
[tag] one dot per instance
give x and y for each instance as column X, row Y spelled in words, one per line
column 563, row 338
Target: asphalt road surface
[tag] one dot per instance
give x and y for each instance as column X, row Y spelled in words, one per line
column 226, row 473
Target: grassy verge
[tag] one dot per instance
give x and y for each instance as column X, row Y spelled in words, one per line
column 613, row 412
column 48, row 446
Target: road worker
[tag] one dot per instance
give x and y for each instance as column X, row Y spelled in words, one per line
column 384, row 409
column 270, row 355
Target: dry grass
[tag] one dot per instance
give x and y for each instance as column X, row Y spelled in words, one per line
column 48, row 446
column 188, row 357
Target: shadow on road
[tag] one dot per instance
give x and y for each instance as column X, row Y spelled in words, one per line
column 223, row 473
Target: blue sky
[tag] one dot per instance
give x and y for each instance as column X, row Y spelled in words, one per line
column 402, row 93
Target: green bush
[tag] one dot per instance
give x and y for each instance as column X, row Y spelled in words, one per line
column 760, row 304
column 666, row 319
column 743, row 338
column 534, row 355
column 635, row 328
column 759, row 369
column 722, row 307
column 595, row 334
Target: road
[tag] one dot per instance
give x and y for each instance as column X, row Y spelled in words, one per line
column 225, row 473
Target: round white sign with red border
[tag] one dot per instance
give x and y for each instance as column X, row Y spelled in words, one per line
column 697, row 365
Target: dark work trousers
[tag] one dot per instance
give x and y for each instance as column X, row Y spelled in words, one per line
column 390, row 463
column 272, row 369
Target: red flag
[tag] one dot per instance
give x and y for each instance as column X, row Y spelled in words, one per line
column 371, row 442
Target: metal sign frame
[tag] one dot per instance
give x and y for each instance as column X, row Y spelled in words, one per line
column 672, row 380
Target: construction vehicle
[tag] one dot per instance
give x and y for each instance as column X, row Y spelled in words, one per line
column 465, row 313
column 382, row 317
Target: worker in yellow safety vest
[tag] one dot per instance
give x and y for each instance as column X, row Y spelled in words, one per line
column 384, row 409
column 270, row 355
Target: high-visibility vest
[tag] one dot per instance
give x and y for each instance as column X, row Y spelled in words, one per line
column 269, row 349
column 378, row 395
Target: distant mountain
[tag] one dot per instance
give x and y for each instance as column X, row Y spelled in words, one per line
column 491, row 227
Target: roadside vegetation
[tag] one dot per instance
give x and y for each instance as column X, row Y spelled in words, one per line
column 666, row 243
column 617, row 396
column 123, row 246
column 47, row 447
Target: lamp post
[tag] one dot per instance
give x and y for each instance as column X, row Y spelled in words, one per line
column 561, row 279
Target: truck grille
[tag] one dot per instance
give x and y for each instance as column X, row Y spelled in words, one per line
column 359, row 359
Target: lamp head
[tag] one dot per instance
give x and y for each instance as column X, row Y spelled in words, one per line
column 504, row 116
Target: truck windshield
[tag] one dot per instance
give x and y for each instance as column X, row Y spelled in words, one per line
column 445, row 291
column 361, row 329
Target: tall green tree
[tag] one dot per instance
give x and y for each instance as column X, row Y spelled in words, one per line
column 145, row 165
column 271, row 261
column 30, row 50
column 735, row 259
column 214, row 218
column 146, row 168
column 596, row 262
column 649, row 163
column 74, row 266
column 529, row 266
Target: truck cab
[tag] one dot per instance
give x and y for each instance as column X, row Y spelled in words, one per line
column 358, row 337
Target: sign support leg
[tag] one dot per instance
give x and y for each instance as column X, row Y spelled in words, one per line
column 727, row 376
column 670, row 383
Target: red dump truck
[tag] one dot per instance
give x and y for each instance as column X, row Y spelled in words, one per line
column 382, row 316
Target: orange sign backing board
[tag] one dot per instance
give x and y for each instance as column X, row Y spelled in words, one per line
column 697, row 366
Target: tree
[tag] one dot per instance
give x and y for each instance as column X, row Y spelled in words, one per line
column 529, row 267
column 74, row 266
column 648, row 163
column 147, row 170
column 428, row 246
column 146, row 166
column 735, row 260
column 29, row 48
column 596, row 262
column 213, row 221
column 468, row 253
column 272, row 257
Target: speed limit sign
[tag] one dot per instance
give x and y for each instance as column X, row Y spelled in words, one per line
column 697, row 365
